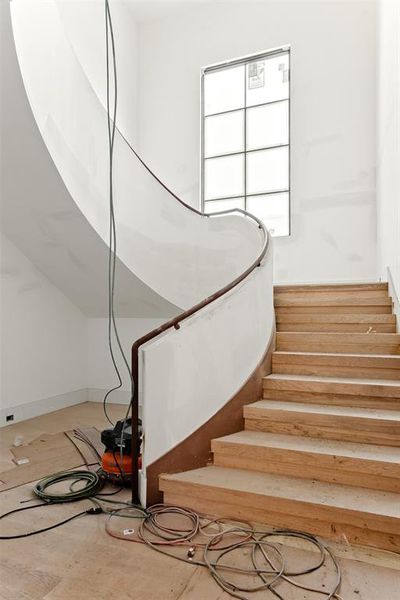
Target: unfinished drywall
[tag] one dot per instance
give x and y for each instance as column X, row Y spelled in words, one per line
column 388, row 146
column 333, row 81
column 43, row 341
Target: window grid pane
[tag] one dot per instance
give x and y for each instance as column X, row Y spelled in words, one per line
column 262, row 170
column 224, row 177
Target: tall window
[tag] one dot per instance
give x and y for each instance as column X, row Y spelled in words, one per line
column 245, row 138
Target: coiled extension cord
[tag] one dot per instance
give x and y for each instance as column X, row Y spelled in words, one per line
column 94, row 483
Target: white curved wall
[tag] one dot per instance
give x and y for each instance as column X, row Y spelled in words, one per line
column 182, row 256
column 83, row 24
column 203, row 364
column 189, row 374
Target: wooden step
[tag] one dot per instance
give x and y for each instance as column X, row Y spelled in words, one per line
column 362, row 465
column 340, row 391
column 346, row 287
column 341, row 310
column 378, row 366
column 360, row 323
column 344, row 343
column 327, row 509
column 333, row 299
column 364, row 425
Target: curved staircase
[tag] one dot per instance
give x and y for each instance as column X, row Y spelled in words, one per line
column 320, row 451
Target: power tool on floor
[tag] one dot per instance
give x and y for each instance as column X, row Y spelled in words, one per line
column 116, row 462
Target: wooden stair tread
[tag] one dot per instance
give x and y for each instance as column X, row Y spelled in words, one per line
column 395, row 357
column 351, row 338
column 385, row 504
column 314, row 445
column 383, row 383
column 324, row 409
column 345, row 300
column 309, row 318
column 316, row 287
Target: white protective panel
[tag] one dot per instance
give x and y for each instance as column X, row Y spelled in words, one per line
column 182, row 256
column 203, row 364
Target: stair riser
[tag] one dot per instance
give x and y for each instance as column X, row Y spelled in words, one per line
column 342, row 431
column 340, row 348
column 326, row 371
column 352, row 296
column 350, row 343
column 337, row 327
column 333, row 399
column 338, row 319
column 333, row 310
column 364, row 362
column 335, row 388
column 344, row 287
column 287, row 514
column 293, row 300
column 342, row 394
column 348, row 422
column 293, row 464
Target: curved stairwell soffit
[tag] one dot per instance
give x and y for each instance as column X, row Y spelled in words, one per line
column 40, row 217
column 180, row 255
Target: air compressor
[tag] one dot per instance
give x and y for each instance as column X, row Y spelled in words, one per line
column 116, row 462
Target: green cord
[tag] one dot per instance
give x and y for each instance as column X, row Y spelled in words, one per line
column 94, row 484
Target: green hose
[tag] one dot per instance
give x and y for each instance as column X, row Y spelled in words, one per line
column 94, row 484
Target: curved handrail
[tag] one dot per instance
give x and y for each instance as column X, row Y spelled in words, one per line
column 175, row 323
column 166, row 188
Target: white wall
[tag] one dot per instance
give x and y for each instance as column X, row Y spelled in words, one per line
column 100, row 374
column 333, row 118
column 43, row 341
column 37, row 213
column 388, row 148
column 52, row 355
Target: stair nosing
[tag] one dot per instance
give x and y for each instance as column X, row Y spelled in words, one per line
column 339, row 492
column 329, row 379
column 303, row 444
column 334, row 410
column 341, row 354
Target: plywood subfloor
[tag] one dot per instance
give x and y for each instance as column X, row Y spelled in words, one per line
column 88, row 414
column 82, row 562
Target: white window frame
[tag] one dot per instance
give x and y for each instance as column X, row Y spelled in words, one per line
column 224, row 65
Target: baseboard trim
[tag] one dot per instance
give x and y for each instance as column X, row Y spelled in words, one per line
column 42, row 407
column 36, row 408
column 117, row 397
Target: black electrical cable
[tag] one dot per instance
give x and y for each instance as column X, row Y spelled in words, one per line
column 82, row 437
column 91, row 511
column 94, row 483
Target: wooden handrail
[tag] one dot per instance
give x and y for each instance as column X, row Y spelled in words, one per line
column 175, row 323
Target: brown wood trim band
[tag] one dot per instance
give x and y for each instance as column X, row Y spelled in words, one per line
column 195, row 451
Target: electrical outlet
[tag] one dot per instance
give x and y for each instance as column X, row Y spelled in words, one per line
column 9, row 418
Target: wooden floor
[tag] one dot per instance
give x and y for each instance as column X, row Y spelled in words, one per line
column 79, row 561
